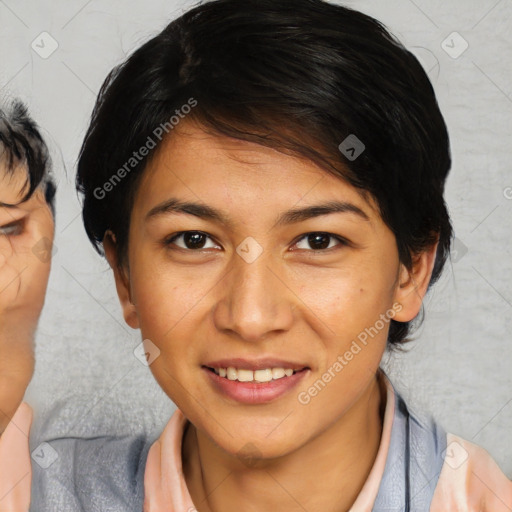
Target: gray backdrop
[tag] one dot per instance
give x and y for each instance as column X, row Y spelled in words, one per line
column 54, row 54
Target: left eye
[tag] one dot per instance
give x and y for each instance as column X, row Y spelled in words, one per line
column 320, row 241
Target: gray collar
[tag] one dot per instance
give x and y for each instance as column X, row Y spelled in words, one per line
column 414, row 462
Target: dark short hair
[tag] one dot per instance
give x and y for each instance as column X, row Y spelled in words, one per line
column 21, row 143
column 299, row 76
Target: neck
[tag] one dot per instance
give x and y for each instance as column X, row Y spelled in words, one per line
column 325, row 474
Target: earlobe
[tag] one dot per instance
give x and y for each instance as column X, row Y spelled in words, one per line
column 122, row 281
column 413, row 284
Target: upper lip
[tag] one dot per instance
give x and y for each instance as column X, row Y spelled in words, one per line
column 255, row 364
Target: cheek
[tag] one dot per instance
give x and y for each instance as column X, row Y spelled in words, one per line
column 167, row 309
column 348, row 299
column 168, row 300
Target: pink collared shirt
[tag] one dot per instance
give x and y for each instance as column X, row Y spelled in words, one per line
column 476, row 485
column 165, row 485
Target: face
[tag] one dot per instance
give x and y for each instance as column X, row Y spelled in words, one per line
column 26, row 235
column 250, row 276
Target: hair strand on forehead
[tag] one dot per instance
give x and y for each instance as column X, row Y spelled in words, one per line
column 21, row 145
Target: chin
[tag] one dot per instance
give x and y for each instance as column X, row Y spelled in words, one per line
column 255, row 449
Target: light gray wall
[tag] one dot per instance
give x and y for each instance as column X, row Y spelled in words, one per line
column 460, row 368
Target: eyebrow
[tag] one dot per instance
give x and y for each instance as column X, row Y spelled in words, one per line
column 293, row 216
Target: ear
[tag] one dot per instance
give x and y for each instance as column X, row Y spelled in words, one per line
column 413, row 283
column 122, row 281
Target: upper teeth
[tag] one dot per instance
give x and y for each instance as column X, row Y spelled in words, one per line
column 242, row 375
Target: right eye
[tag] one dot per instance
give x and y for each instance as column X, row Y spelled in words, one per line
column 12, row 229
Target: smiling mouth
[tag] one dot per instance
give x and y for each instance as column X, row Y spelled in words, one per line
column 261, row 376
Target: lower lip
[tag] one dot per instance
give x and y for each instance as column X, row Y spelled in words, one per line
column 255, row 392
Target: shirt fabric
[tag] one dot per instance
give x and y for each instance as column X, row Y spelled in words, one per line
column 402, row 475
column 418, row 467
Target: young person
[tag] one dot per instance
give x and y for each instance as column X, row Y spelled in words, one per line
column 265, row 310
column 26, row 234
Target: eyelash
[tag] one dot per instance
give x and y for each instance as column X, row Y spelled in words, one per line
column 342, row 242
column 12, row 229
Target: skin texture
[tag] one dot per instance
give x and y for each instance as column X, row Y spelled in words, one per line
column 291, row 303
column 24, row 276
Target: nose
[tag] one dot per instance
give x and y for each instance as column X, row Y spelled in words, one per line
column 256, row 301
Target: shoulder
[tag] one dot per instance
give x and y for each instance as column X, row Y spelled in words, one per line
column 15, row 461
column 470, row 480
column 89, row 473
column 442, row 471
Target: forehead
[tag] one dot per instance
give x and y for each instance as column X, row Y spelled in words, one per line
column 12, row 183
column 233, row 173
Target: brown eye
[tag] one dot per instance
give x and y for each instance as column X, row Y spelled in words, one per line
column 191, row 240
column 319, row 241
